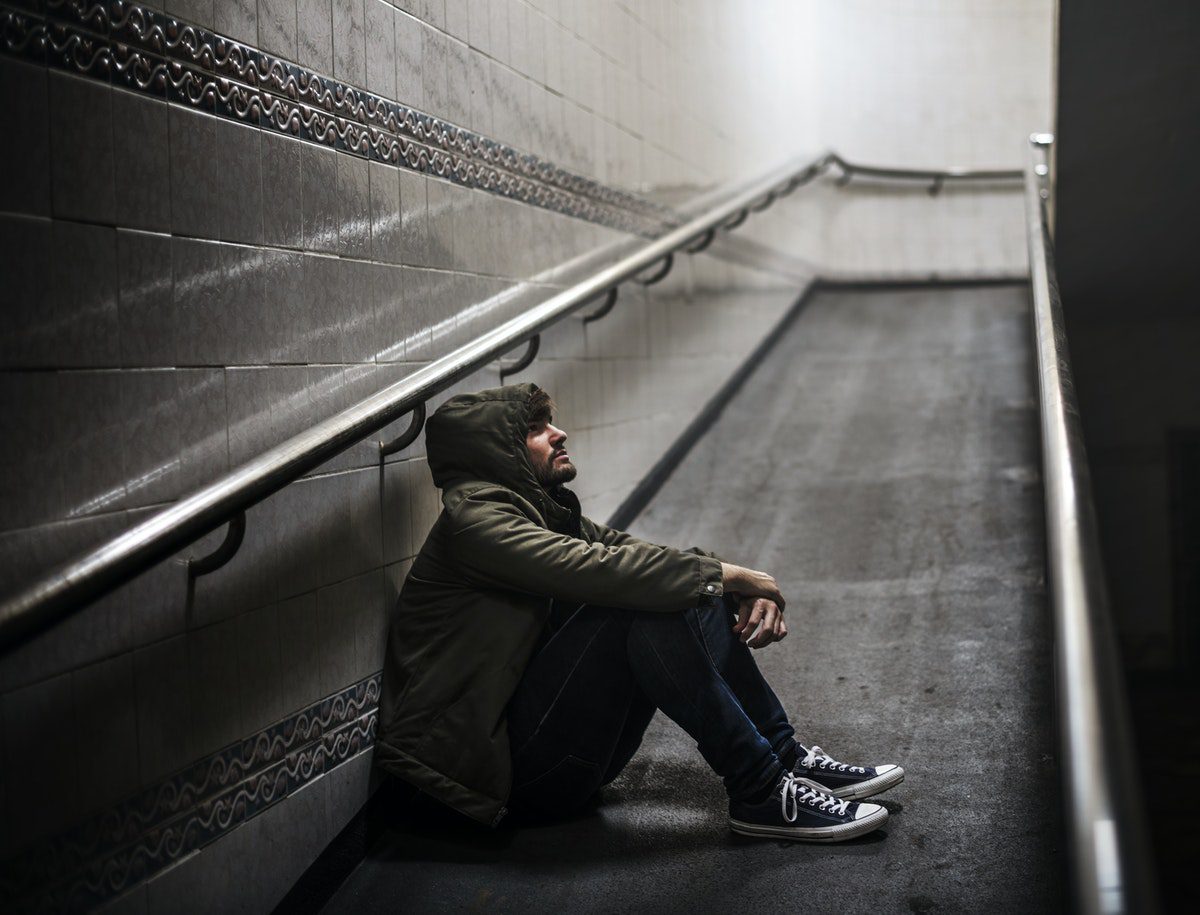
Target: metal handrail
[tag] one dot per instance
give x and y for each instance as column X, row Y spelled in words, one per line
column 88, row 577
column 937, row 178
column 1111, row 869
column 97, row 572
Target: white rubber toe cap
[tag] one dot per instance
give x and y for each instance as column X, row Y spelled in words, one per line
column 885, row 769
column 866, row 810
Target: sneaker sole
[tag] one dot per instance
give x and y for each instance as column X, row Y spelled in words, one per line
column 870, row 787
column 838, row 833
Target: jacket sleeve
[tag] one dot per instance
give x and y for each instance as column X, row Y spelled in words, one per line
column 495, row 544
column 610, row 536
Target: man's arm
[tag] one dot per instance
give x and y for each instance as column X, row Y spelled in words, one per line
column 610, row 536
column 758, row 588
column 496, row 545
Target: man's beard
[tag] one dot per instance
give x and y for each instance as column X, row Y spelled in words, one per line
column 551, row 475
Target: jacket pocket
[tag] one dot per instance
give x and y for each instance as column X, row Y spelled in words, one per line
column 564, row 787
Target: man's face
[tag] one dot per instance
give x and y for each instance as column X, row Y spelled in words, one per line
column 548, row 454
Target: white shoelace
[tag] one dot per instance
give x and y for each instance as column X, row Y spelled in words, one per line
column 796, row 792
column 817, row 758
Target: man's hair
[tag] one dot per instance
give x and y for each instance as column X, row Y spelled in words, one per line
column 541, row 407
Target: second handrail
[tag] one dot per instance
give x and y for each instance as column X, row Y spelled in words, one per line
column 1111, row 872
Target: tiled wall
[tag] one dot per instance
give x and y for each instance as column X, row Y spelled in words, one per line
column 183, row 288
column 926, row 84
column 188, row 279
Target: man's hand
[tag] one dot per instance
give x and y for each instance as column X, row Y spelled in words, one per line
column 760, row 603
column 748, row 583
column 755, row 610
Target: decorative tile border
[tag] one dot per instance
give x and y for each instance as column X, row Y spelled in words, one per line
column 126, row 845
column 145, row 51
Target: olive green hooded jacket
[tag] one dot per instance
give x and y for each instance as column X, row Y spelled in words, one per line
column 477, row 598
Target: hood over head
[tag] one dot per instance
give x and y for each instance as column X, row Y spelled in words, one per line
column 481, row 437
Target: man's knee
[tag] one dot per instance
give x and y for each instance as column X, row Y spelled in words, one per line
column 616, row 614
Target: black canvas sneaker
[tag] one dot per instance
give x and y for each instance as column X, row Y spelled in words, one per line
column 798, row 809
column 843, row 779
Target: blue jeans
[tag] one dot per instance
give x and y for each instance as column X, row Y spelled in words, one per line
column 587, row 696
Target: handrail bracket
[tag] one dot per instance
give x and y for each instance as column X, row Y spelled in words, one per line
column 667, row 263
column 705, row 240
column 737, row 220
column 767, row 200
column 609, row 301
column 526, row 360
column 408, row 436
column 234, row 535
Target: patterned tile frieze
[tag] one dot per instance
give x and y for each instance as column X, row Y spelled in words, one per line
column 140, row 49
column 126, row 845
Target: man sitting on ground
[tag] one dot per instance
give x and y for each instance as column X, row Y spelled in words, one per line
column 530, row 647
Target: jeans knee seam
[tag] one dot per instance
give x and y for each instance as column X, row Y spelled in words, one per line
column 667, row 670
column 704, row 644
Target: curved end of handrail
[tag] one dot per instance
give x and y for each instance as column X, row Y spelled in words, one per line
column 832, row 158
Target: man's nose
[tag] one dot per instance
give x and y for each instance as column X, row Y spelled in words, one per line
column 557, row 436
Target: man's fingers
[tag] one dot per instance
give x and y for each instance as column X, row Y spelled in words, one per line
column 753, row 611
column 773, row 630
column 762, row 638
column 778, row 632
column 776, row 621
column 764, row 610
column 745, row 615
column 745, row 604
column 756, row 615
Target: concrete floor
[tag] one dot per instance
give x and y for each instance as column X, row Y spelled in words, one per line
column 882, row 463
